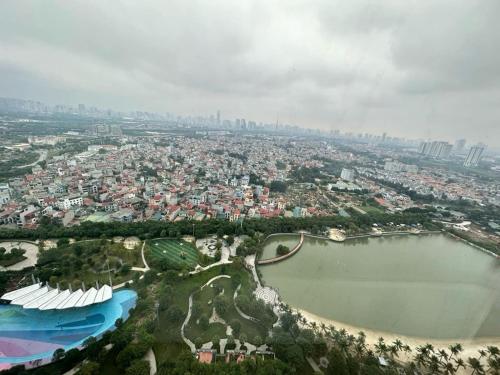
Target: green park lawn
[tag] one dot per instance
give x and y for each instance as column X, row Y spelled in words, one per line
column 87, row 261
column 178, row 253
column 169, row 342
column 202, row 299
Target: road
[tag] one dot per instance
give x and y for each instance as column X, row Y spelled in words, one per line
column 41, row 157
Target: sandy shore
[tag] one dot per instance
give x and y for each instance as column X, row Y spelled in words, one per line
column 470, row 346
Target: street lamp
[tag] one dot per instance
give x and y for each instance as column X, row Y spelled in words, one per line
column 157, row 305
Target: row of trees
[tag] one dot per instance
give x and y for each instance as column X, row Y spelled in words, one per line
column 187, row 364
column 152, row 229
column 351, row 355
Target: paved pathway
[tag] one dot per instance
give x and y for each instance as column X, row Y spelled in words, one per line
column 146, row 266
column 41, row 157
column 242, row 314
column 188, row 316
column 284, row 256
column 219, row 263
column 213, row 279
column 265, row 293
column 150, row 357
column 314, row 365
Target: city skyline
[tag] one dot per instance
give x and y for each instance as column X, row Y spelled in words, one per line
column 215, row 119
column 355, row 68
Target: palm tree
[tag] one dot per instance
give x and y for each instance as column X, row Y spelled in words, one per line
column 380, row 347
column 342, row 332
column 434, row 364
column 442, row 354
column 456, row 349
column 343, row 345
column 411, row 367
column 350, row 340
column 494, row 365
column 493, row 351
column 398, row 346
column 430, row 348
column 460, row 363
column 475, row 364
column 359, row 348
column 407, row 348
column 420, row 359
column 449, row 369
column 313, row 325
column 393, row 349
column 360, row 345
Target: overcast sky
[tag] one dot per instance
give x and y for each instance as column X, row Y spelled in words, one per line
column 423, row 69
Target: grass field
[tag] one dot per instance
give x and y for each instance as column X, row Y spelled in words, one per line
column 202, row 298
column 178, row 253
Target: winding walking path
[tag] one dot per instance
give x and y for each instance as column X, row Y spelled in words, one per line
column 190, row 307
column 242, row 314
column 146, row 266
column 150, row 357
column 188, row 342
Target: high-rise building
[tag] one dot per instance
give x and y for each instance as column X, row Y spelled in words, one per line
column 435, row 149
column 218, row 117
column 474, row 156
column 347, row 174
column 459, row 145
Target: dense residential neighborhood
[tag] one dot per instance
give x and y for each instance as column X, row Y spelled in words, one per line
column 224, row 176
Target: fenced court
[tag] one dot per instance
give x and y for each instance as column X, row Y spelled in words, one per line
column 177, row 252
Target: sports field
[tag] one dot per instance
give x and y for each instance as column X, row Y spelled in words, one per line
column 177, row 252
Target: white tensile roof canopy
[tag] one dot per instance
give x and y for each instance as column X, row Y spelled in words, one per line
column 41, row 297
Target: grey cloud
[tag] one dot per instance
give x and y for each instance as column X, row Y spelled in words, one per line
column 357, row 65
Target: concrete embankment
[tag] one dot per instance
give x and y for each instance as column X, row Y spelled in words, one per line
column 285, row 256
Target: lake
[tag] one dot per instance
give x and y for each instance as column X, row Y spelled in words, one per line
column 428, row 286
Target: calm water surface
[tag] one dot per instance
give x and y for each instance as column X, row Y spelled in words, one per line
column 429, row 286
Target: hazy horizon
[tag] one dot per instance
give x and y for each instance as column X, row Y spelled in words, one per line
column 410, row 69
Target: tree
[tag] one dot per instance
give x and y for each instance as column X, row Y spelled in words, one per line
column 138, row 367
column 282, row 250
column 243, row 338
column 295, row 356
column 257, row 340
column 204, row 322
column 218, row 244
column 149, row 277
column 62, row 242
column 236, row 326
column 230, row 240
column 58, row 354
column 337, row 364
column 476, row 366
column 174, row 314
column 198, row 342
column 230, row 344
column 216, row 342
column 278, row 186
column 221, row 304
column 171, row 276
column 89, row 368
